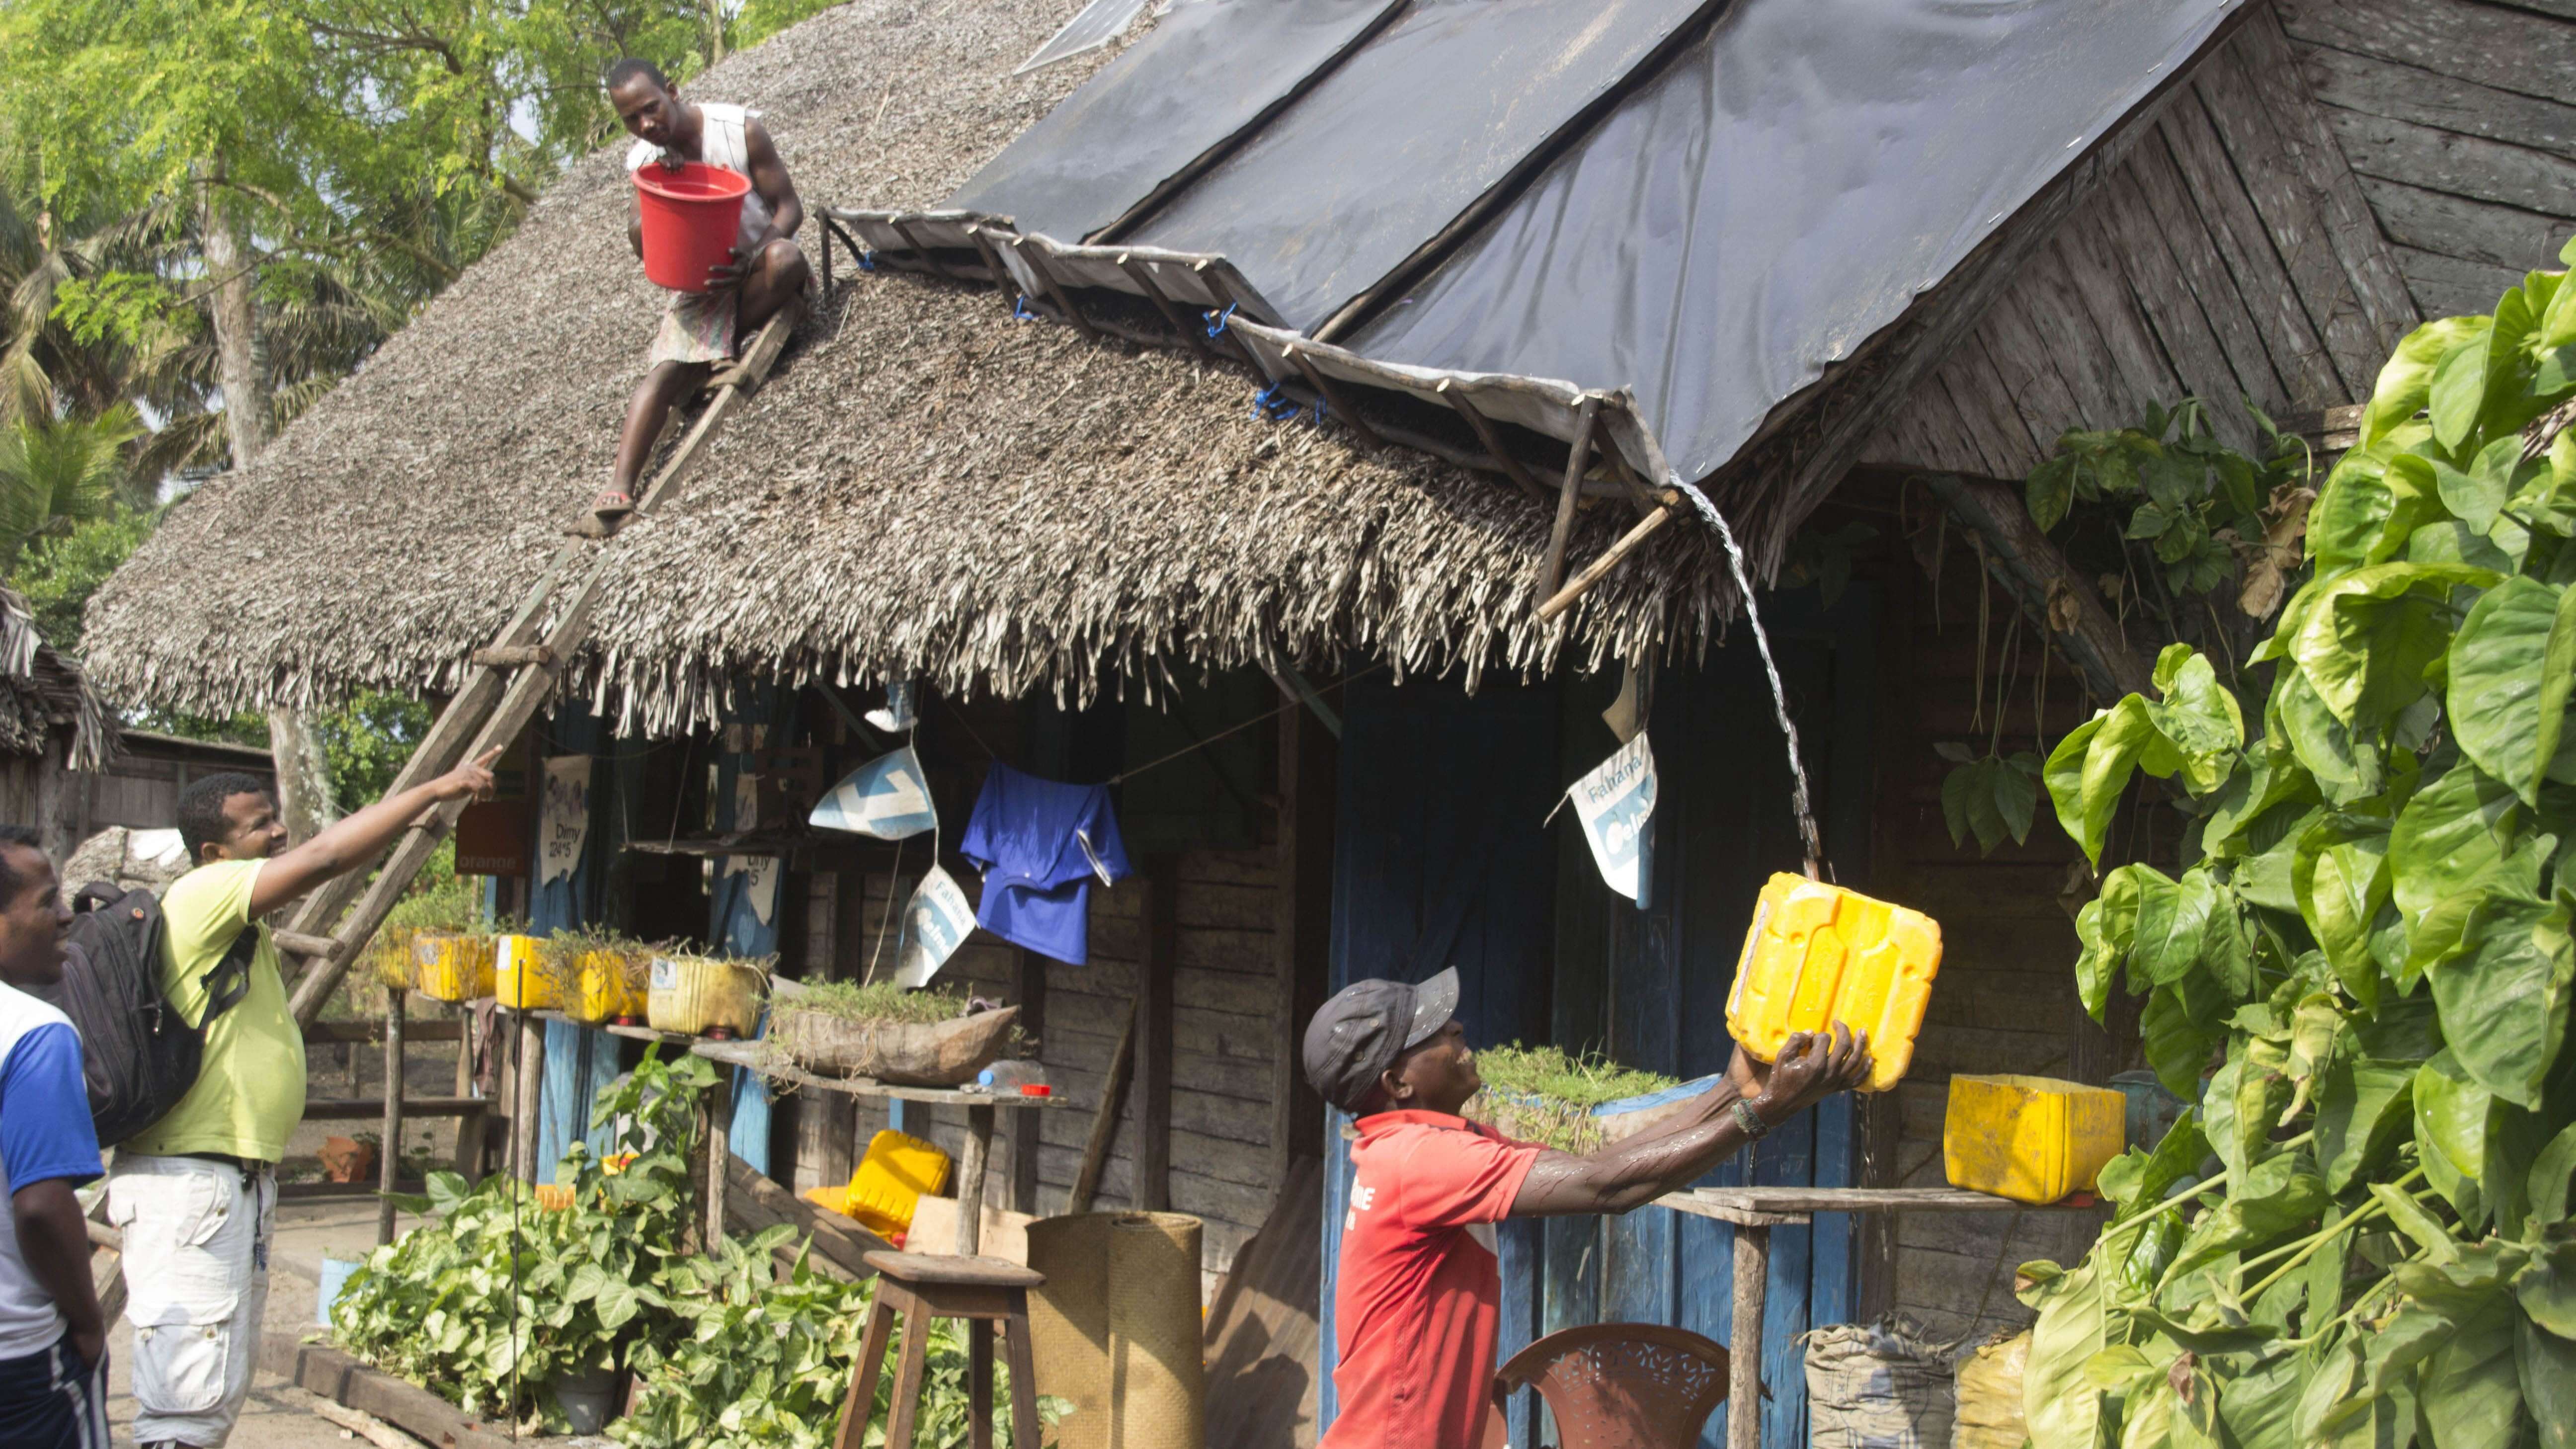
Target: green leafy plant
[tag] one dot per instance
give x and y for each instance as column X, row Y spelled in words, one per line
column 500, row 1296
column 881, row 1001
column 2362, row 972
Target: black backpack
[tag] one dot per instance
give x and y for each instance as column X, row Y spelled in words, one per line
column 139, row 1056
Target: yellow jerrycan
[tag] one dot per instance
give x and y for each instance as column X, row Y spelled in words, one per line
column 1818, row 954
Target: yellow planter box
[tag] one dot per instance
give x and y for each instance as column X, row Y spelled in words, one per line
column 2031, row 1139
column 700, row 995
column 527, row 978
column 1818, row 954
column 607, row 986
column 448, row 967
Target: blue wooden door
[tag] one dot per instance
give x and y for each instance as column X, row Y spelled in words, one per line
column 1439, row 860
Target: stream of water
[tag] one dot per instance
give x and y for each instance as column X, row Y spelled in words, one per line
column 1779, row 695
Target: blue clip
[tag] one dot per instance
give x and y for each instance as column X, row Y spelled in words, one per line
column 1020, row 309
column 1216, row 320
column 867, row 261
column 1274, row 403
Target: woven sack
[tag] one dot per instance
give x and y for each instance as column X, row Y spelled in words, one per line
column 1878, row 1386
column 1990, row 1409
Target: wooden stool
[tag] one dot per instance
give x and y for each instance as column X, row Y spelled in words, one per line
column 924, row 1286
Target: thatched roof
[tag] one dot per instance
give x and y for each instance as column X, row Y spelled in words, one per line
column 41, row 691
column 928, row 488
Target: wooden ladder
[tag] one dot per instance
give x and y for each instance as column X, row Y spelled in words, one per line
column 508, row 682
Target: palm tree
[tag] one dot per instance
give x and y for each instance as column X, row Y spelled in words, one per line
column 55, row 472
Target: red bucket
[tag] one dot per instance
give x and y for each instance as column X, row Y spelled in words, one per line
column 692, row 217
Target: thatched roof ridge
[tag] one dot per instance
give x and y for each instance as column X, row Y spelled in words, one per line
column 929, row 488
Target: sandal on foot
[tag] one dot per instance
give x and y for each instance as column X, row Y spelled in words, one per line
column 611, row 505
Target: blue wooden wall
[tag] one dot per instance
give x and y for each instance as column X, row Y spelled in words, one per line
column 735, row 925
column 1425, row 769
column 579, row 1061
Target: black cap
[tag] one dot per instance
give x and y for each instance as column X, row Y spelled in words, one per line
column 1366, row 1026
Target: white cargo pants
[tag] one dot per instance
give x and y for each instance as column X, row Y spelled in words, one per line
column 196, row 1286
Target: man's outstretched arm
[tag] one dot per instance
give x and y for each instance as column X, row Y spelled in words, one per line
column 769, row 177
column 1635, row 1172
column 347, row 844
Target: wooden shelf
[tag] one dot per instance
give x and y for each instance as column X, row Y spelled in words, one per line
column 751, row 1057
column 1783, row 1206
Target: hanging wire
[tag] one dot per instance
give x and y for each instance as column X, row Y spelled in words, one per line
column 1193, row 748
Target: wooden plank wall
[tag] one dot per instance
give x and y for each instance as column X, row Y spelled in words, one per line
column 2006, row 1000
column 2460, row 118
column 2231, row 254
column 1225, row 1043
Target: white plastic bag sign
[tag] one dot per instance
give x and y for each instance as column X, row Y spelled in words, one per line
column 888, row 797
column 934, row 924
column 1615, row 803
column 563, row 823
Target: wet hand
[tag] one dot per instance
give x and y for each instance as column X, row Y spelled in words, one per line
column 1811, row 1067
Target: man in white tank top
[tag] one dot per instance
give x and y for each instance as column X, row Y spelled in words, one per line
column 701, row 329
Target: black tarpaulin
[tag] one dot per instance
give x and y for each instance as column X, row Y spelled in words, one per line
column 1355, row 176
column 1777, row 195
column 1204, row 73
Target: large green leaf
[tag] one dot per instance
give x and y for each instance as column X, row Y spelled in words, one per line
column 2546, row 1365
column 2550, row 1173
column 2365, row 638
column 2444, row 851
column 2259, row 1403
column 2510, row 671
column 2197, row 713
column 2273, row 777
column 2365, row 1108
column 2173, row 920
column 2106, row 926
column 2339, row 875
column 2345, row 769
column 2471, row 1391
column 2062, row 1408
column 2273, row 1198
column 2138, row 1179
column 2405, row 381
column 2452, row 1112
column 2546, row 1287
column 2504, row 998
column 2458, row 392
column 2178, row 1039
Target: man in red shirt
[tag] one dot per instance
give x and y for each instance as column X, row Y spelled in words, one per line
column 1418, row 1304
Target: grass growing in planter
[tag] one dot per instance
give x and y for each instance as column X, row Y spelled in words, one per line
column 1544, row 1094
column 882, row 1001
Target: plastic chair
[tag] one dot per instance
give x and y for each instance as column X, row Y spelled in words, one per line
column 1621, row 1385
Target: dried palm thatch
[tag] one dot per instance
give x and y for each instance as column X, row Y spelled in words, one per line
column 928, row 489
column 41, row 690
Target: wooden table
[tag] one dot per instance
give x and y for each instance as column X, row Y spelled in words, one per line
column 1753, row 1212
column 981, row 1112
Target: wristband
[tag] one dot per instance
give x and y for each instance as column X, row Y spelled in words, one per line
column 1750, row 1120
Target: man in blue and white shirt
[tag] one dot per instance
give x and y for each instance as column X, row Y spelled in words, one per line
column 53, row 1339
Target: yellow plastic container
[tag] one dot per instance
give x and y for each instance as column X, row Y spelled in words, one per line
column 448, row 967
column 2031, row 1139
column 892, row 1177
column 1818, row 954
column 526, row 978
column 702, row 996
column 605, row 988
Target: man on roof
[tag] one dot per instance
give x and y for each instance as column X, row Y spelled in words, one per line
column 766, row 274
column 1418, row 1303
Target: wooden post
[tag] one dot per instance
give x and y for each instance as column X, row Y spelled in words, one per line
column 1744, row 1350
column 1153, row 1185
column 970, row 1180
column 389, row 1153
column 1552, row 572
column 530, row 1070
column 1026, row 1137
column 1308, row 764
column 1104, row 1120
column 719, row 1149
column 469, row 1128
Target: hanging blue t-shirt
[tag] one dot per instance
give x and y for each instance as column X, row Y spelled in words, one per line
column 1041, row 843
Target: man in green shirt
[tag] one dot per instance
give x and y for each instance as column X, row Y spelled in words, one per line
column 195, row 1192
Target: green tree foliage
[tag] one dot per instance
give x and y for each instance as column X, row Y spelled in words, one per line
column 56, row 473
column 2362, row 973
column 56, row 575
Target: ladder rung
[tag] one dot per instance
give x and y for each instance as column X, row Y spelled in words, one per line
column 299, row 944
column 513, row 656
